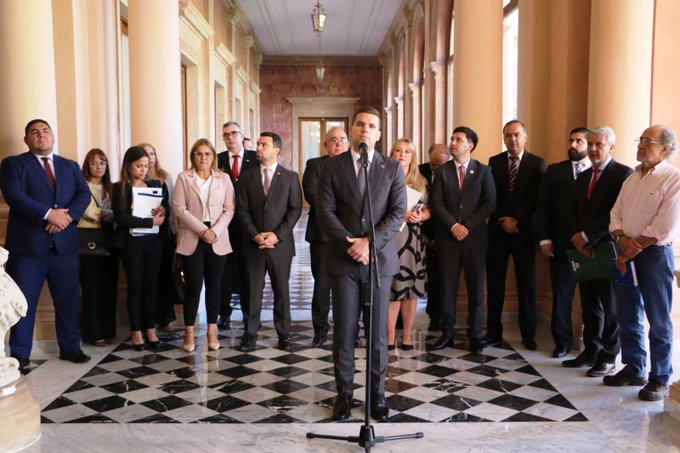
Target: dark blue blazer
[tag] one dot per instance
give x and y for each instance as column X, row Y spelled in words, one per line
column 29, row 195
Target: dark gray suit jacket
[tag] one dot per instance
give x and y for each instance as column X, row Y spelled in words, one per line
column 310, row 183
column 471, row 207
column 278, row 212
column 555, row 218
column 342, row 214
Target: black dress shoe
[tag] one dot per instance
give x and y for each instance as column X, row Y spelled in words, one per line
column 24, row 364
column 560, row 352
column 319, row 340
column 491, row 339
column 579, row 361
column 600, row 369
column 342, row 409
column 138, row 347
column 406, row 347
column 74, row 356
column 621, row 379
column 153, row 344
column 379, row 409
column 442, row 342
column 475, row 345
column 248, row 343
column 223, row 323
column 530, row 344
column 285, row 344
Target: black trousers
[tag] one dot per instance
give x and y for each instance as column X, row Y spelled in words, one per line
column 202, row 265
column 99, row 284
column 278, row 269
column 600, row 325
column 471, row 262
column 234, row 280
column 321, row 300
column 501, row 246
column 142, row 261
column 165, row 306
column 563, row 288
column 434, row 298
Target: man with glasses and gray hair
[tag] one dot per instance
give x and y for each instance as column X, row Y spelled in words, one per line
column 335, row 143
column 644, row 221
column 234, row 161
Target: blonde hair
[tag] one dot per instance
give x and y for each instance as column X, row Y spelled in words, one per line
column 160, row 173
column 413, row 177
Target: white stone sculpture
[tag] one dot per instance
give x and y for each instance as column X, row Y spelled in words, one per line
column 13, row 307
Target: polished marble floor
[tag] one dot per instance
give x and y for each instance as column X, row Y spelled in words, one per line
column 505, row 399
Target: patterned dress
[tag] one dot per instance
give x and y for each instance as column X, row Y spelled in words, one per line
column 409, row 283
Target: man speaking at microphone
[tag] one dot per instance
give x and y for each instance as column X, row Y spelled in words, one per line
column 343, row 214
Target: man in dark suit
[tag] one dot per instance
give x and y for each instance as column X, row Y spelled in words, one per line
column 517, row 174
column 555, row 224
column 47, row 195
column 343, row 215
column 234, row 161
column 269, row 203
column 463, row 197
column 438, row 154
column 595, row 195
column 335, row 143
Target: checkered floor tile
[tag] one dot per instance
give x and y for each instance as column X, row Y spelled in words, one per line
column 168, row 385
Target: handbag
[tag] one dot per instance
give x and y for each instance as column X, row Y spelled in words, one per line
column 94, row 242
column 179, row 286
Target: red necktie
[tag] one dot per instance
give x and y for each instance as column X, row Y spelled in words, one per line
column 234, row 168
column 596, row 171
column 461, row 176
column 48, row 171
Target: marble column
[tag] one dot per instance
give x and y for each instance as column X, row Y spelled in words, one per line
column 155, row 79
column 27, row 77
column 477, row 72
column 620, row 77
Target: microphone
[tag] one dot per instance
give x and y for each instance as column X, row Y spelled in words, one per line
column 363, row 150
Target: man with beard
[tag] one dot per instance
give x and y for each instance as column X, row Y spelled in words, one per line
column 555, row 222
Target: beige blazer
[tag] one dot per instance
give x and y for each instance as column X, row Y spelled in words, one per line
column 186, row 203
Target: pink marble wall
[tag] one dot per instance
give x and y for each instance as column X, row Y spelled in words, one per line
column 279, row 82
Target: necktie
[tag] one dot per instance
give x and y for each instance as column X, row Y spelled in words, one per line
column 361, row 178
column 596, row 172
column 461, row 176
column 512, row 174
column 234, row 168
column 267, row 180
column 578, row 169
column 48, row 171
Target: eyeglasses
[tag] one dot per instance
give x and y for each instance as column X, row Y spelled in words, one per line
column 231, row 134
column 644, row 141
column 336, row 140
column 199, row 155
column 97, row 163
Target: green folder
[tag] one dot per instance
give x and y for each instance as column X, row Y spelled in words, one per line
column 585, row 269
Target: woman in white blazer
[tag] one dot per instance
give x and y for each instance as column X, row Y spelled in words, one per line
column 203, row 201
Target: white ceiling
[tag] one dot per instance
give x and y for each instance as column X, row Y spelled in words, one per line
column 353, row 27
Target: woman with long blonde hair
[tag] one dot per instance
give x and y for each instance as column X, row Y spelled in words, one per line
column 409, row 283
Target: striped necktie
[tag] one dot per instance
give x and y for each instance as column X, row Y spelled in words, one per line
column 512, row 174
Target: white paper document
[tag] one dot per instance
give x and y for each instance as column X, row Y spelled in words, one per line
column 144, row 200
column 412, row 199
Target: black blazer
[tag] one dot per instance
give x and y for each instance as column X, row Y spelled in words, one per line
column 555, row 218
column 249, row 161
column 521, row 202
column 122, row 212
column 278, row 212
column 593, row 215
column 430, row 225
column 342, row 214
column 310, row 182
column 471, row 207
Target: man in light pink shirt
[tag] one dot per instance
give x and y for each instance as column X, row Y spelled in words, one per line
column 644, row 223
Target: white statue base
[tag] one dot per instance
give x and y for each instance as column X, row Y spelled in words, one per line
column 19, row 417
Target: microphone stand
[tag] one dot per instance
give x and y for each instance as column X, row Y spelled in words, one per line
column 367, row 437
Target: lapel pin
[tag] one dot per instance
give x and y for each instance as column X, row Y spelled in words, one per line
column 472, row 172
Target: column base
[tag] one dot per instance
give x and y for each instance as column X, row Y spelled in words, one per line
column 19, row 417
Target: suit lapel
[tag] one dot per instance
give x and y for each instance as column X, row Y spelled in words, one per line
column 376, row 172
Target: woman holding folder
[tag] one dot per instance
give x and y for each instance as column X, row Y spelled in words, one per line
column 203, row 201
column 140, row 206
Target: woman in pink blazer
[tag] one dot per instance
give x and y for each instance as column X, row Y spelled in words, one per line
column 203, row 201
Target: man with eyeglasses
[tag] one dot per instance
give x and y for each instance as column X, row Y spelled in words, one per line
column 234, row 161
column 644, row 221
column 594, row 195
column 335, row 143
